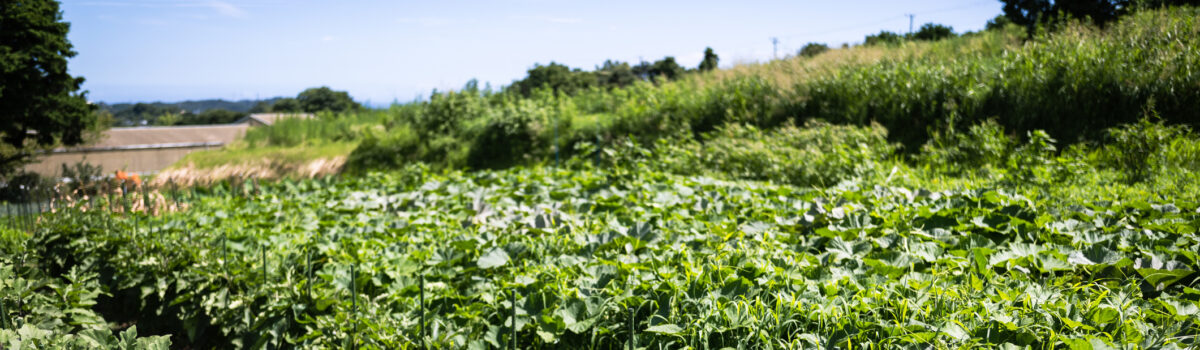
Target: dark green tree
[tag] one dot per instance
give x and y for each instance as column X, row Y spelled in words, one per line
column 997, row 23
column 666, row 68
column 558, row 77
column 710, row 60
column 286, row 105
column 615, row 74
column 1031, row 13
column 260, row 107
column 41, row 106
column 212, row 116
column 883, row 38
column 812, row 49
column 933, row 32
column 642, row 70
column 319, row 99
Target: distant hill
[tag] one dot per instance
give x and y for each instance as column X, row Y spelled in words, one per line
column 195, row 107
column 143, row 113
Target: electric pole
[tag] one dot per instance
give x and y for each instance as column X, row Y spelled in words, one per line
column 774, row 48
column 910, row 23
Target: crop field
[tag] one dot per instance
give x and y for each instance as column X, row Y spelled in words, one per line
column 623, row 257
column 997, row 190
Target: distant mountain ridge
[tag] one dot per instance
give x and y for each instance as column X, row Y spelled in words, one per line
column 195, row 107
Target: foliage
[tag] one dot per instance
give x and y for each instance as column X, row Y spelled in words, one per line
column 615, row 74
column 883, row 38
column 286, row 105
column 667, row 69
column 1031, row 13
column 997, row 23
column 134, row 114
column 213, row 116
column 82, row 178
column 1149, row 147
column 582, row 254
column 812, row 49
column 933, row 32
column 556, row 77
column 984, row 146
column 817, row 154
column 39, row 311
column 41, row 103
column 709, row 62
column 324, row 99
column 16, row 186
column 1073, row 85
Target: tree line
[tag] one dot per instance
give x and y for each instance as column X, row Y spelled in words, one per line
column 612, row 74
column 206, row 112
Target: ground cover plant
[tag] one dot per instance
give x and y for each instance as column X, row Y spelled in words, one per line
column 900, row 199
column 617, row 250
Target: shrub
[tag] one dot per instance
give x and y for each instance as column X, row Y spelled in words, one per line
column 818, row 154
column 1140, row 149
column 983, row 146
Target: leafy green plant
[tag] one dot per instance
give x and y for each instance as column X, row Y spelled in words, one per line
column 1143, row 148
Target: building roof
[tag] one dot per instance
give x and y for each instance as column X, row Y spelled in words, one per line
column 166, row 135
column 271, row 118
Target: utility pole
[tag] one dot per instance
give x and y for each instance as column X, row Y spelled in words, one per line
column 774, row 48
column 910, row 24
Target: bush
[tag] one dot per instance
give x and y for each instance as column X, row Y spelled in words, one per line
column 1073, row 85
column 983, row 147
column 1140, row 150
column 818, row 154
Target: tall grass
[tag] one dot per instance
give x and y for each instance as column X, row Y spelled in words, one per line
column 1073, row 84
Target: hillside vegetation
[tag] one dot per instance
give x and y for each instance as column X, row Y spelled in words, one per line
column 986, row 191
column 1072, row 84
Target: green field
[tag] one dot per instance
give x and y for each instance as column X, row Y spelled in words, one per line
column 986, row 191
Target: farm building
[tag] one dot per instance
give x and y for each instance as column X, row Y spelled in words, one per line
column 141, row 149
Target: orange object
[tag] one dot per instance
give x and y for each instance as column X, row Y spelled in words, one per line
column 124, row 176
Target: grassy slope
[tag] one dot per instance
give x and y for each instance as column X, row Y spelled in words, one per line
column 1073, row 84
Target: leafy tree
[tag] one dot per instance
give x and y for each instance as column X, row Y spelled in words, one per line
column 260, row 107
column 286, row 105
column 323, row 98
column 997, row 23
column 168, row 119
column 933, row 32
column 615, row 74
column 883, row 38
column 213, row 116
column 1031, row 13
column 643, row 69
column 710, row 60
column 557, row 77
column 812, row 49
column 41, row 104
column 666, row 67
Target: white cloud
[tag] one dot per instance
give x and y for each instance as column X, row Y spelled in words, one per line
column 548, row 19
column 328, row 38
column 227, row 9
column 222, row 8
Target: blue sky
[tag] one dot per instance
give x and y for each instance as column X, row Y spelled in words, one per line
column 384, row 51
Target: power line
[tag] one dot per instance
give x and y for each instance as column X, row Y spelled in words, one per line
column 889, row 19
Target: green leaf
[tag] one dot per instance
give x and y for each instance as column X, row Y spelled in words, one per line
column 493, row 258
column 1159, row 274
column 665, row 329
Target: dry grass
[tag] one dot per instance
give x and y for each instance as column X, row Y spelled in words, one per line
column 265, row 169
